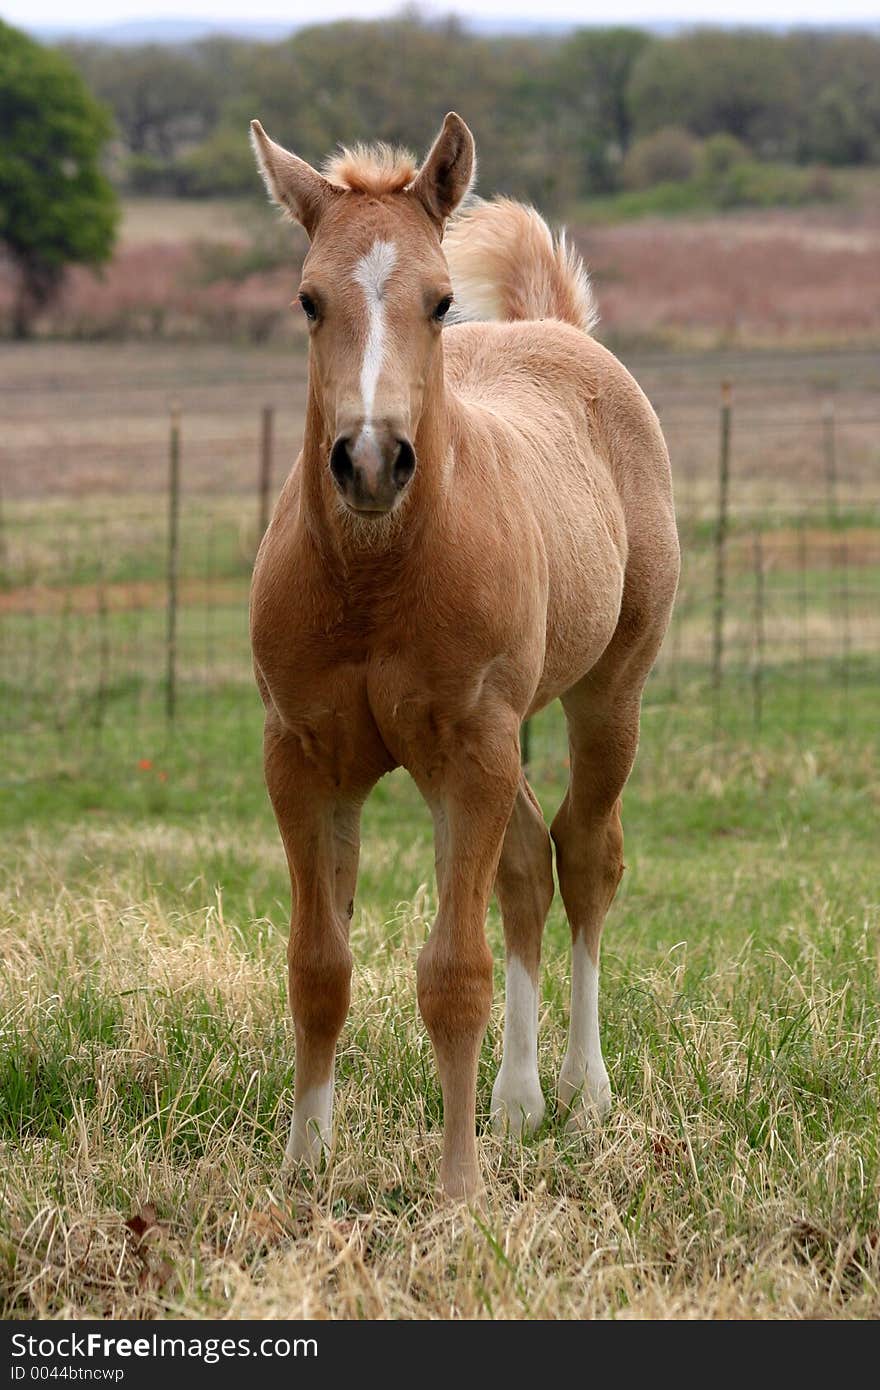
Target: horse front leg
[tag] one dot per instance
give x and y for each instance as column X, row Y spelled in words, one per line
column 320, row 831
column 454, row 973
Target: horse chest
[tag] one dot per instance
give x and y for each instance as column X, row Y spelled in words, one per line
column 327, row 713
column 356, row 719
column 392, row 668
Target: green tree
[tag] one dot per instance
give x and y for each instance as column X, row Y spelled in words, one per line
column 395, row 80
column 593, row 117
column 163, row 98
column 839, row 78
column 56, row 207
column 742, row 82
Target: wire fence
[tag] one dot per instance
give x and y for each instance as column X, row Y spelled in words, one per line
column 123, row 627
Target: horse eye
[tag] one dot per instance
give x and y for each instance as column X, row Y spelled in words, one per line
column 310, row 309
column 442, row 309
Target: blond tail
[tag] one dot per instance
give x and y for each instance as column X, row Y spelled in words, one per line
column 506, row 264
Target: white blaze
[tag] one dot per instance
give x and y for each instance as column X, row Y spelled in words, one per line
column 372, row 273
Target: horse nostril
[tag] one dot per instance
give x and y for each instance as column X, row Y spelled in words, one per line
column 341, row 465
column 404, row 463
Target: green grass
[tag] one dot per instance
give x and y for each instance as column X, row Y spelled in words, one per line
column 65, row 544
column 147, row 1059
column 748, row 184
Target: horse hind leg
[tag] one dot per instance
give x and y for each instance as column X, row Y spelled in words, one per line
column 524, row 888
column 588, row 835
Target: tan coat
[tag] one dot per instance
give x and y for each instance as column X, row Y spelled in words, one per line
column 415, row 618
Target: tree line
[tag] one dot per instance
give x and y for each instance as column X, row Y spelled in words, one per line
column 556, row 117
column 705, row 114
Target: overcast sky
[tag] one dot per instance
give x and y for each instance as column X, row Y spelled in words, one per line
column 38, row 13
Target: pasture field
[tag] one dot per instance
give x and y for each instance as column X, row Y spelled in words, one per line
column 146, row 1068
column 89, row 421
column 146, row 1059
column 225, row 270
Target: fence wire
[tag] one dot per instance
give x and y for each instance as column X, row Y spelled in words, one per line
column 109, row 653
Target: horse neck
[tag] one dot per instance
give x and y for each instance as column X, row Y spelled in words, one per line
column 421, row 508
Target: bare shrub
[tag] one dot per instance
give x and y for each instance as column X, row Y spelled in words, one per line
column 161, row 290
column 670, row 155
column 720, row 154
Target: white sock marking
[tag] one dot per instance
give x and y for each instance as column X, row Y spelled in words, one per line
column 516, row 1096
column 520, row 1018
column 310, row 1126
column 372, row 273
column 583, row 1068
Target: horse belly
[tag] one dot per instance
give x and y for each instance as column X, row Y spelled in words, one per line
column 587, row 569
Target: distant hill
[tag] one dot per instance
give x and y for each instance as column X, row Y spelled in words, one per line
column 167, row 31
column 184, row 31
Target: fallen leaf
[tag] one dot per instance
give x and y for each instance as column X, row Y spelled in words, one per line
column 142, row 1221
column 270, row 1225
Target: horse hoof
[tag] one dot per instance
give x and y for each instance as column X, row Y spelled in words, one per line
column 587, row 1098
column 517, row 1106
column 307, row 1147
column 462, row 1187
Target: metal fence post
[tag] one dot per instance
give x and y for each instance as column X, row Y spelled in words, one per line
column 720, row 551
column 759, row 633
column 173, row 561
column 265, row 484
column 829, row 451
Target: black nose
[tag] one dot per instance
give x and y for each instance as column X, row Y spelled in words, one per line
column 373, row 488
column 341, row 465
column 404, row 464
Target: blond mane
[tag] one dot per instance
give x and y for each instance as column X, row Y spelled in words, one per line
column 374, row 169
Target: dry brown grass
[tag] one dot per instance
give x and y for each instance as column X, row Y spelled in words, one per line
column 781, row 278
column 148, row 221
column 162, row 1198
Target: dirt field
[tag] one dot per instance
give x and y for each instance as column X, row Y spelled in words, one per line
column 749, row 279
column 86, row 419
column 221, row 271
column 91, row 417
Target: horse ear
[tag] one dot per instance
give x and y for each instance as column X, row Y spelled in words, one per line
column 448, row 171
column 295, row 186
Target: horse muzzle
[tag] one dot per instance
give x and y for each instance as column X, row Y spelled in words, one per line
column 372, row 472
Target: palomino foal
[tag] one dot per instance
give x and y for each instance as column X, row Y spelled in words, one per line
column 480, row 521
